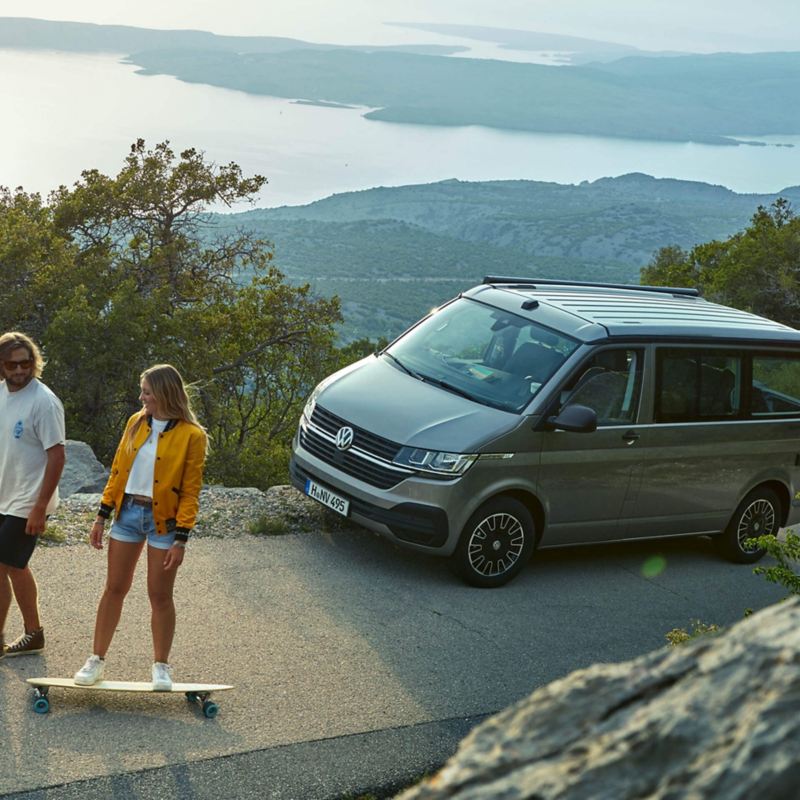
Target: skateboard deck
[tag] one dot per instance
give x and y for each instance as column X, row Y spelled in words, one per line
column 195, row 692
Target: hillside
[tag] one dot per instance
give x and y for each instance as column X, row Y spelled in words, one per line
column 393, row 253
column 702, row 103
column 569, row 49
column 85, row 37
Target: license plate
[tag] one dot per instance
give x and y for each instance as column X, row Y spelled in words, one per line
column 328, row 498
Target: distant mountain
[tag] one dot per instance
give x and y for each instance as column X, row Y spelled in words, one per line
column 571, row 49
column 393, row 253
column 711, row 98
column 85, row 37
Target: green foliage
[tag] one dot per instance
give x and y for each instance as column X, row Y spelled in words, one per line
column 679, row 636
column 118, row 273
column 268, row 526
column 787, row 553
column 53, row 534
column 755, row 269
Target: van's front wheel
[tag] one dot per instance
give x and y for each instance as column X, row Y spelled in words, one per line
column 495, row 544
column 759, row 514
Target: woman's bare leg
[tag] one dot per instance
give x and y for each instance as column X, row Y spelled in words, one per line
column 122, row 558
column 160, row 584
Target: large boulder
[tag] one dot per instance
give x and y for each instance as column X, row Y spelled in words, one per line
column 82, row 471
column 718, row 717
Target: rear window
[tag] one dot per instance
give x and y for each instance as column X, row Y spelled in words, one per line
column 775, row 386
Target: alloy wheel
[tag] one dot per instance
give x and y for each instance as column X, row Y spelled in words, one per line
column 496, row 544
column 756, row 520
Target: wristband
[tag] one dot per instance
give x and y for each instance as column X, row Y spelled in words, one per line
column 182, row 545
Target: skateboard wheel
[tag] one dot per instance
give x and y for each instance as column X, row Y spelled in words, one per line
column 191, row 697
column 41, row 705
column 210, row 709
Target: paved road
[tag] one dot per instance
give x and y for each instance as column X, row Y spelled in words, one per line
column 356, row 665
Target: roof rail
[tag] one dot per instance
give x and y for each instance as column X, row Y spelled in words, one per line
column 533, row 282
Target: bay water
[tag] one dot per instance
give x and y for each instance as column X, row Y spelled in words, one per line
column 67, row 112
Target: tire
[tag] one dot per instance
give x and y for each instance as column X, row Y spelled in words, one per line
column 758, row 514
column 496, row 543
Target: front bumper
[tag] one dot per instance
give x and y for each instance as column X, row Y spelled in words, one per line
column 420, row 526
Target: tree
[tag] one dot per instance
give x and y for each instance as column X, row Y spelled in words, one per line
column 757, row 269
column 32, row 259
column 117, row 273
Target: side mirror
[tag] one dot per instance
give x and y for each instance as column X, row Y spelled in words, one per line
column 575, row 418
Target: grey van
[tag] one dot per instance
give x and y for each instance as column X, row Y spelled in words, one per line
column 532, row 413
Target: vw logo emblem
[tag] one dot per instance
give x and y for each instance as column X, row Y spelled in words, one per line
column 344, row 438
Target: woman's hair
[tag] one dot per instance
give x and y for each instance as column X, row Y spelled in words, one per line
column 14, row 340
column 170, row 394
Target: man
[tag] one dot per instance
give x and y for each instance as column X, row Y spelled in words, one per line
column 32, row 442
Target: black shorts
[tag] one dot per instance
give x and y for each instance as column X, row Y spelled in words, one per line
column 16, row 547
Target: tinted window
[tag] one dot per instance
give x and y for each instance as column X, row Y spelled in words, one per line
column 610, row 384
column 776, row 386
column 693, row 385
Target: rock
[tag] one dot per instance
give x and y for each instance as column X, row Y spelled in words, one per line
column 82, row 471
column 718, row 717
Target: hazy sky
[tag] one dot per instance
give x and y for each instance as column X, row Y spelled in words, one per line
column 699, row 25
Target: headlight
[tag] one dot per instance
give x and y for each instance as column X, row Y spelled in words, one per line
column 434, row 461
column 308, row 409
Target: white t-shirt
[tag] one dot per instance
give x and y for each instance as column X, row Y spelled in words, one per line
column 140, row 481
column 31, row 422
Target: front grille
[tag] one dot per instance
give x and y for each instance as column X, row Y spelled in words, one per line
column 363, row 440
column 318, row 439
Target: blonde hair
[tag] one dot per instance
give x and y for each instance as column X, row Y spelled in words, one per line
column 171, row 395
column 14, row 340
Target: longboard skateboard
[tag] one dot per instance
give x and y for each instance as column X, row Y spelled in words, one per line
column 195, row 692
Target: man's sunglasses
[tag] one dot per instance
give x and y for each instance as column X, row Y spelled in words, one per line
column 26, row 363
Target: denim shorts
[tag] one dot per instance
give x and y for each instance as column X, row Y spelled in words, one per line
column 135, row 524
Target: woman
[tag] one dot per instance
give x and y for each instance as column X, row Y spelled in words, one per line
column 153, row 491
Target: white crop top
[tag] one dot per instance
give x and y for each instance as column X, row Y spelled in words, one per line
column 140, row 481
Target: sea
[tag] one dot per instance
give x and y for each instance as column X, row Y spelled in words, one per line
column 66, row 112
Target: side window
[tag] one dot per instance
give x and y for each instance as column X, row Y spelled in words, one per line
column 610, row 383
column 776, row 386
column 695, row 385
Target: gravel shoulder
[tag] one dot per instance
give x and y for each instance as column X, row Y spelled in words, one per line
column 224, row 513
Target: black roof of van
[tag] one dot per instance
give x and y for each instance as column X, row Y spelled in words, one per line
column 632, row 311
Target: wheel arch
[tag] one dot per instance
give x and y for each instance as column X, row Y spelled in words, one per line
column 782, row 492
column 531, row 502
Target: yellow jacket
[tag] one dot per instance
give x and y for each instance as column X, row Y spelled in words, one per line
column 177, row 476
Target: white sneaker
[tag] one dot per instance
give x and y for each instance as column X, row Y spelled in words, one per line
column 162, row 677
column 91, row 672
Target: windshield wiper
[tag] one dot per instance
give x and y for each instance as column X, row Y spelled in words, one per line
column 448, row 386
column 402, row 365
column 428, row 379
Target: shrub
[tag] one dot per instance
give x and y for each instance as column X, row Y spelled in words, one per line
column 268, row 526
column 679, row 636
column 787, row 553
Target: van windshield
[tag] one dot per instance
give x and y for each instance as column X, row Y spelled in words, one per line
column 489, row 355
